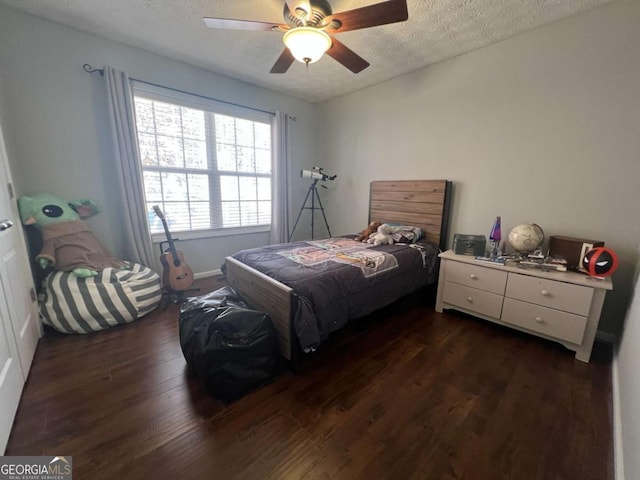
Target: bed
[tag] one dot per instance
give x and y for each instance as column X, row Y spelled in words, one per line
column 312, row 288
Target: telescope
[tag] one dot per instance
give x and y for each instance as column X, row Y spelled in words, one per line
column 317, row 174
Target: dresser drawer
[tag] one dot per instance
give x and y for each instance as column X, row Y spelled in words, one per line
column 476, row 276
column 554, row 323
column 473, row 299
column 549, row 293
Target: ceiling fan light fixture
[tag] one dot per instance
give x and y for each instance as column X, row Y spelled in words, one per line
column 307, row 44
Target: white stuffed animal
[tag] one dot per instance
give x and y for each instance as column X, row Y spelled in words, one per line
column 382, row 236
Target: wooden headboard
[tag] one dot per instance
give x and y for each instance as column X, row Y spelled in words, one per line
column 420, row 203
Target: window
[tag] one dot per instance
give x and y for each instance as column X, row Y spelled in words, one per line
column 206, row 164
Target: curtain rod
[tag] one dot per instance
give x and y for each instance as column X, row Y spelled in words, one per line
column 89, row 69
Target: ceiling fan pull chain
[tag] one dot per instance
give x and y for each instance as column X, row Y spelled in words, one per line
column 302, row 15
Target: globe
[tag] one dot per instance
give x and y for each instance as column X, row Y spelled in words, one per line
column 526, row 238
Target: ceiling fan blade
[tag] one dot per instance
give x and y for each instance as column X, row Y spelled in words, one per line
column 283, row 63
column 391, row 11
column 347, row 57
column 232, row 24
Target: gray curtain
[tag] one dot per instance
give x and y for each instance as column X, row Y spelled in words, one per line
column 280, row 173
column 137, row 243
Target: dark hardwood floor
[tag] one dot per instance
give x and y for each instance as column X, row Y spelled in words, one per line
column 406, row 393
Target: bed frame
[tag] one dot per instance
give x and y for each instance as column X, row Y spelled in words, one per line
column 421, row 203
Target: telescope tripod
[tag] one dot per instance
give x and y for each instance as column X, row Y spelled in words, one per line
column 313, row 193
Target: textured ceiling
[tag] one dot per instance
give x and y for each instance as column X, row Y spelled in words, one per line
column 436, row 30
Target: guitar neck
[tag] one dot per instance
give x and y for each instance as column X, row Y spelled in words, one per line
column 172, row 246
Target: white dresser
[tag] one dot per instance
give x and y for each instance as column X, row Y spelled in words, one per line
column 561, row 306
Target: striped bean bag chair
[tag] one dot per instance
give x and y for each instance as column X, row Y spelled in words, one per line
column 114, row 297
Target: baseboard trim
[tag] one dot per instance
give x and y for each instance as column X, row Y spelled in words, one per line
column 210, row 273
column 618, row 455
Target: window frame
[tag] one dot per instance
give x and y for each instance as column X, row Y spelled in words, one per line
column 198, row 102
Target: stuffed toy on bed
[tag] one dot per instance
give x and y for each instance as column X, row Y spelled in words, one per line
column 389, row 234
column 364, row 235
column 382, row 236
column 89, row 289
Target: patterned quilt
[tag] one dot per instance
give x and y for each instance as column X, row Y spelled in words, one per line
column 343, row 250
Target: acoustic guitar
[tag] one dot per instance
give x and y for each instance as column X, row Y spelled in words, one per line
column 176, row 275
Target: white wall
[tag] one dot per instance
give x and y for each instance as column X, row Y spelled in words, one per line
column 627, row 392
column 543, row 127
column 57, row 132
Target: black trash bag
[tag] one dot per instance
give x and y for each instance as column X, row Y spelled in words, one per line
column 223, row 297
column 231, row 348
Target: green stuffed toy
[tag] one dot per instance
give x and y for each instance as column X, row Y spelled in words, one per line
column 68, row 243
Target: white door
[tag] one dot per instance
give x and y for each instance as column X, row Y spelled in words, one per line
column 19, row 329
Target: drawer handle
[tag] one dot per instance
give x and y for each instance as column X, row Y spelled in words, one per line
column 470, row 299
column 545, row 293
column 539, row 319
column 5, row 225
column 473, row 276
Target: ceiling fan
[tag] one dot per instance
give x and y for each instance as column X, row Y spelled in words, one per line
column 307, row 27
